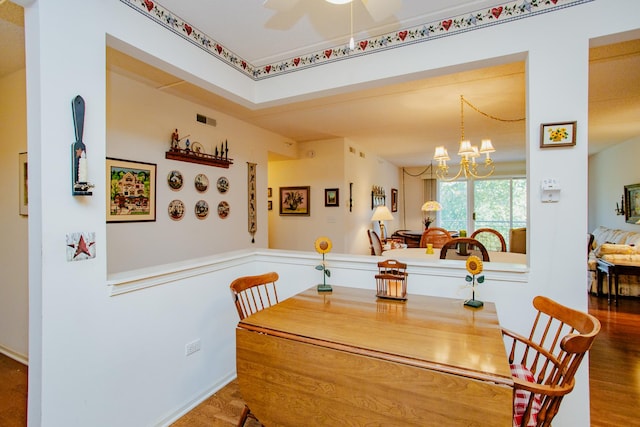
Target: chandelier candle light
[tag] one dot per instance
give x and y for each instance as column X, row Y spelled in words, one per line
column 467, row 152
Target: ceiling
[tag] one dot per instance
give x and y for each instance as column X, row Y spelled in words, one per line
column 401, row 122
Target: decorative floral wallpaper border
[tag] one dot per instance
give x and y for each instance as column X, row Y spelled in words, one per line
column 503, row 13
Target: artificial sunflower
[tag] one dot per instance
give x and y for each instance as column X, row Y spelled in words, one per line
column 474, row 267
column 323, row 245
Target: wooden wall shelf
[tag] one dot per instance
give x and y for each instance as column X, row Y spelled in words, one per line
column 200, row 158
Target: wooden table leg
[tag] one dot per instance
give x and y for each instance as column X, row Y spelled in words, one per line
column 609, row 283
column 615, row 273
column 599, row 281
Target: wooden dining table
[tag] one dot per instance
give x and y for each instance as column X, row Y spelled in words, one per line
column 348, row 358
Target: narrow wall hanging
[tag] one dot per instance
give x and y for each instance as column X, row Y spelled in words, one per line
column 79, row 173
column 251, row 194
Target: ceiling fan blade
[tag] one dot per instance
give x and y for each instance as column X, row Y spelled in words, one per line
column 280, row 5
column 381, row 9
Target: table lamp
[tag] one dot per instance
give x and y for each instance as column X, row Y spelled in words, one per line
column 382, row 214
column 430, row 206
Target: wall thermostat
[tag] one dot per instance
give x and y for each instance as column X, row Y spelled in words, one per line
column 550, row 190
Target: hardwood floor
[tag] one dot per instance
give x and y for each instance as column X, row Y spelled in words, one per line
column 614, row 368
column 614, row 371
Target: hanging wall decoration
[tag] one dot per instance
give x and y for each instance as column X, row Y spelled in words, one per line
column 251, row 205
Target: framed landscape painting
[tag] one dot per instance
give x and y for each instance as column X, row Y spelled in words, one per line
column 131, row 192
column 295, row 201
column 632, row 203
column 332, row 197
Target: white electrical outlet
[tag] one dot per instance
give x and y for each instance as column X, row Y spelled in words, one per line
column 192, row 347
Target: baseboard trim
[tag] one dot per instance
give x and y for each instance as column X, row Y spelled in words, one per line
column 15, row 356
column 196, row 400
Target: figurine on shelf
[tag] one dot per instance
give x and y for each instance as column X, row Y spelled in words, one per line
column 226, row 150
column 216, row 152
column 175, row 140
column 187, row 144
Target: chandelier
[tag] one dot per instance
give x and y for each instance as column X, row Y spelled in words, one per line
column 468, row 154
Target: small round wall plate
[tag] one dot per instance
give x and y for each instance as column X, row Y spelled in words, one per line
column 202, row 209
column 223, row 184
column 176, row 210
column 201, row 182
column 175, row 180
column 223, row 209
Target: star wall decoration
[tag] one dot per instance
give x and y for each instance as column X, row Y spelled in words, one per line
column 81, row 246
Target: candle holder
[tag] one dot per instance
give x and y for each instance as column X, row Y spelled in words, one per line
column 79, row 170
column 391, row 280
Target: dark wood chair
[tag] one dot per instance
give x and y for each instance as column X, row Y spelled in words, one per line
column 436, row 236
column 491, row 239
column 463, row 248
column 391, row 280
column 252, row 294
column 518, row 240
column 374, row 243
column 544, row 364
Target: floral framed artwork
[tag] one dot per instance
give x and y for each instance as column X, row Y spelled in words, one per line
column 561, row 134
column 394, row 200
column 131, row 191
column 632, row 203
column 332, row 197
column 295, row 201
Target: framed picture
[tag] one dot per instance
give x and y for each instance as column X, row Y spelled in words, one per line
column 394, row 200
column 295, row 201
column 332, row 197
column 269, row 192
column 269, row 205
column 558, row 134
column 131, row 191
column 23, row 191
column 632, row 203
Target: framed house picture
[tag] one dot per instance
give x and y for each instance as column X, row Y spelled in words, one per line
column 131, row 191
column 557, row 134
column 295, row 201
column 632, row 203
column 332, row 197
column 394, row 200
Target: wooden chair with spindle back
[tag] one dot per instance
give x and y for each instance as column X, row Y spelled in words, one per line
column 436, row 236
column 463, row 248
column 252, row 294
column 374, row 243
column 491, row 239
column 544, row 364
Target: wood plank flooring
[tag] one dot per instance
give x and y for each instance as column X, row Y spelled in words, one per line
column 614, row 372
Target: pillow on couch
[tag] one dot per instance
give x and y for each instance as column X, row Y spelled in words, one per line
column 612, row 248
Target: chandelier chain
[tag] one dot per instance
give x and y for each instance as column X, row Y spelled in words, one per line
column 488, row 115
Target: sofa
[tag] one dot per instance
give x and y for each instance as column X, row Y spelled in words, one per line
column 614, row 244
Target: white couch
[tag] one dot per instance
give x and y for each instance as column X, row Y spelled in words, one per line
column 612, row 244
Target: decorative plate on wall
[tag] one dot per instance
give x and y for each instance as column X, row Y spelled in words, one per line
column 223, row 184
column 202, row 182
column 176, row 210
column 174, row 179
column 202, row 209
column 223, row 209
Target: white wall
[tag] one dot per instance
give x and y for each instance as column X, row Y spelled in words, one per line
column 609, row 171
column 332, row 165
column 140, row 121
column 14, row 295
column 85, row 348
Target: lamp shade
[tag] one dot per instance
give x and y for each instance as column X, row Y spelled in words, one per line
column 486, row 147
column 431, row 206
column 381, row 214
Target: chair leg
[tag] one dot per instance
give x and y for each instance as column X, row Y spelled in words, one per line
column 243, row 417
